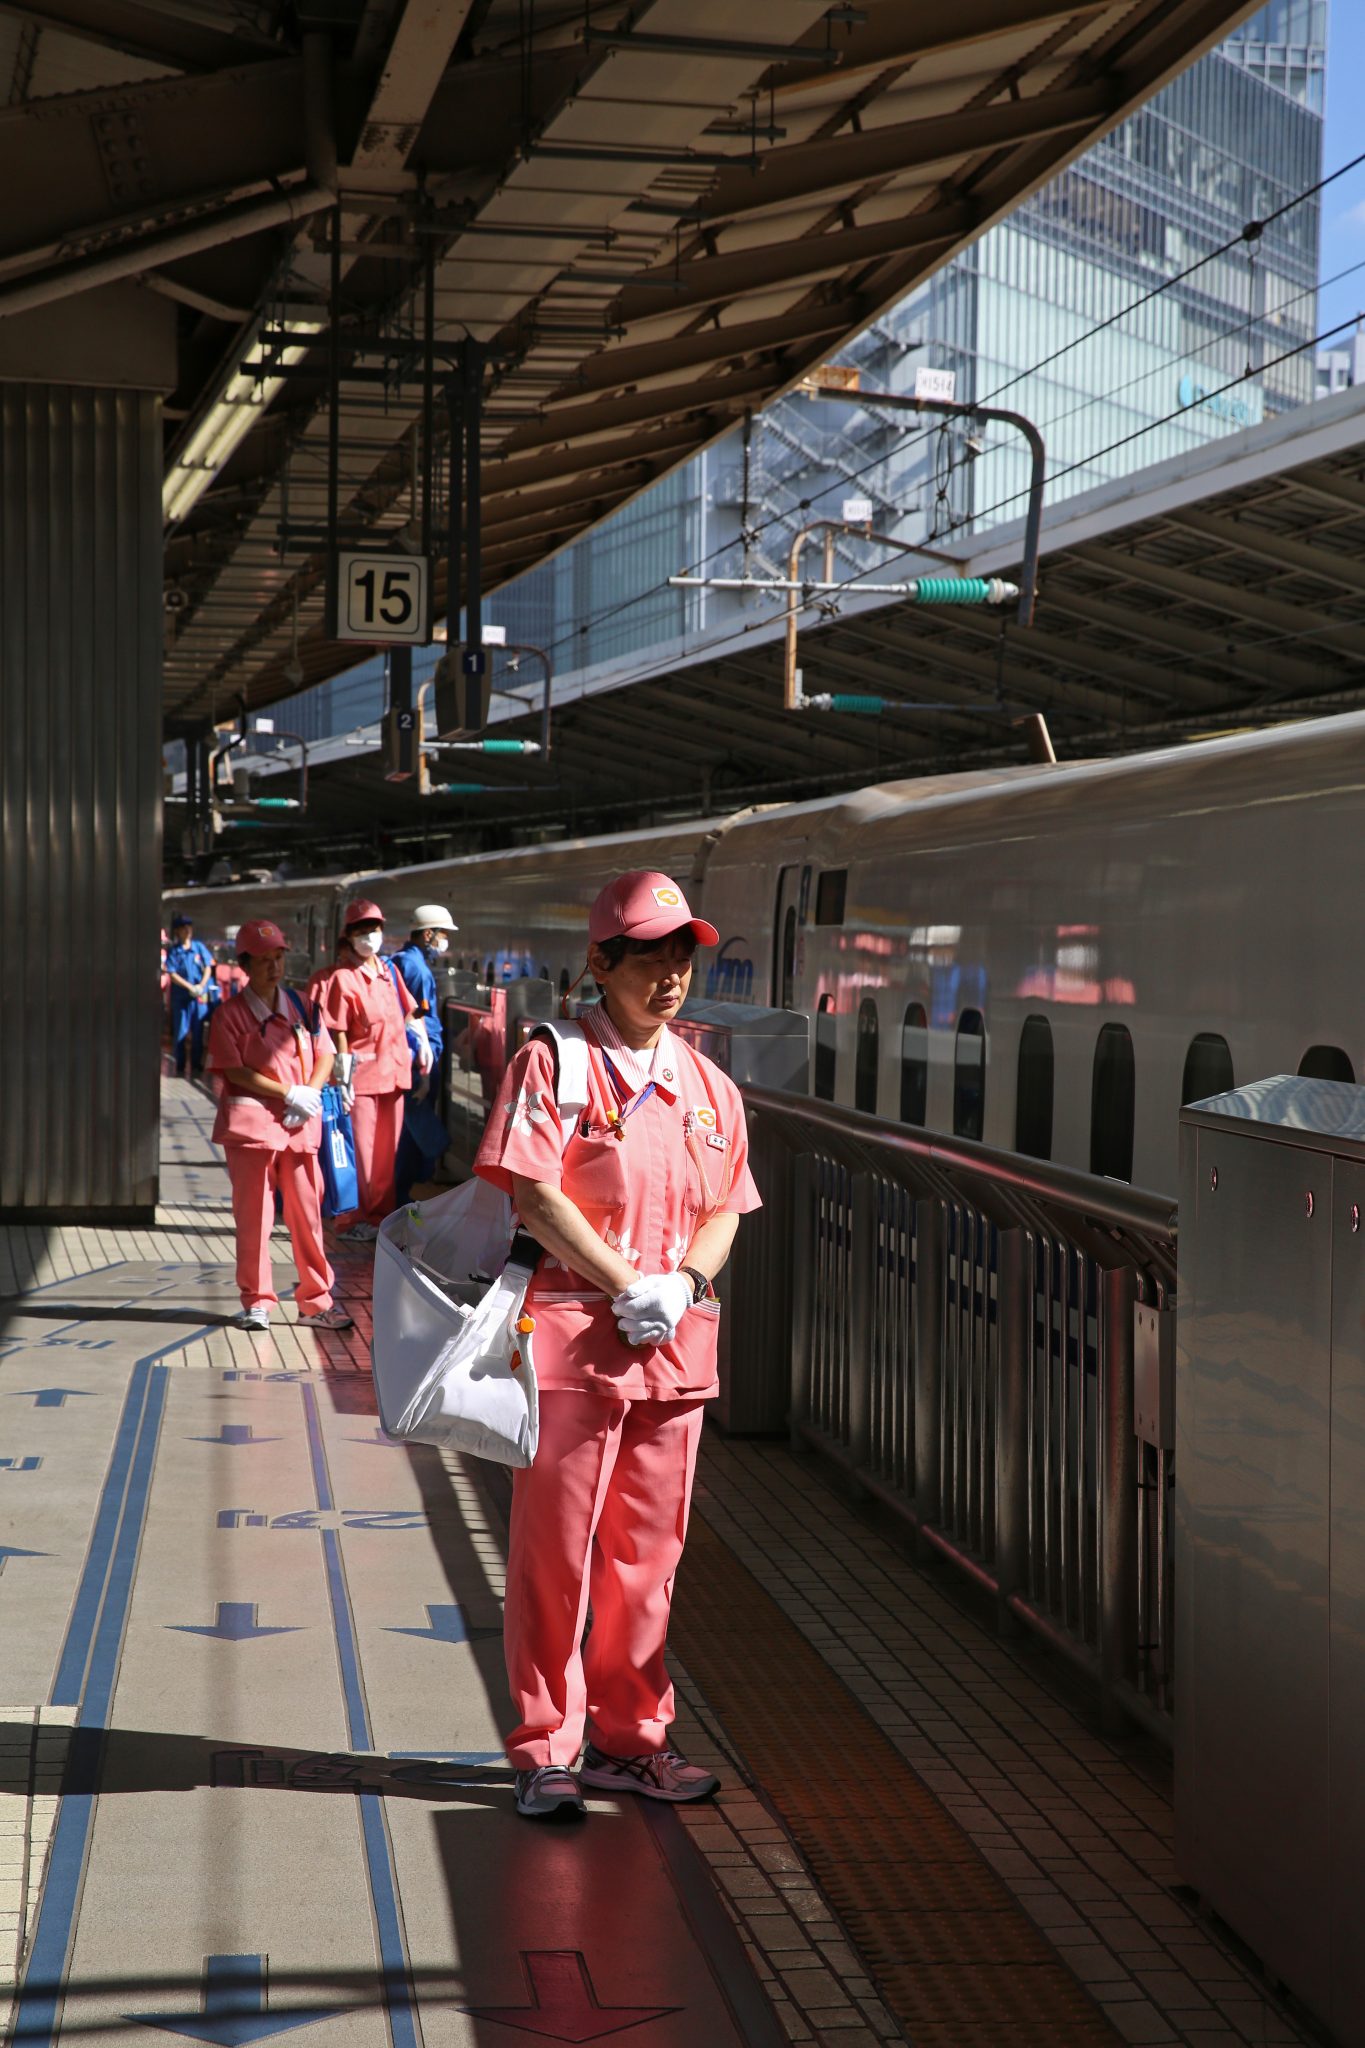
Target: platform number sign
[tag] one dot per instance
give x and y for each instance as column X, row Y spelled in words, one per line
column 383, row 599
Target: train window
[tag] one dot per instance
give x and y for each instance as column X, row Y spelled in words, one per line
column 830, row 893
column 969, row 1076
column 826, row 1026
column 865, row 1068
column 914, row 1065
column 1113, row 1090
column 1326, row 1063
column 1033, row 1095
column 787, row 990
column 1208, row 1068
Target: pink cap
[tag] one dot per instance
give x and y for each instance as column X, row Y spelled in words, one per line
column 644, row 905
column 260, row 936
column 362, row 911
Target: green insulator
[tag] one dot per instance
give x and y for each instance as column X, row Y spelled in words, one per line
column 501, row 746
column 276, row 803
column 952, row 590
column 850, row 701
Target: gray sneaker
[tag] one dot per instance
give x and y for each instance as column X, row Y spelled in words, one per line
column 333, row 1318
column 359, row 1233
column 252, row 1319
column 665, row 1774
column 549, row 1793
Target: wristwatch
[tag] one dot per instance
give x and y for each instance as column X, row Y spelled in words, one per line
column 702, row 1289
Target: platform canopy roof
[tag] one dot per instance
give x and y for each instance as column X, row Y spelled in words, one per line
column 656, row 215
column 1219, row 590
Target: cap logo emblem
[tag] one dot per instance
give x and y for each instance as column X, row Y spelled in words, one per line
column 706, row 1117
column 667, row 899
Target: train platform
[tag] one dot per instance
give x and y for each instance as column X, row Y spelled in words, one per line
column 251, row 1778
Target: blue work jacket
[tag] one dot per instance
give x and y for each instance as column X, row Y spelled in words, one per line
column 412, row 964
column 193, row 962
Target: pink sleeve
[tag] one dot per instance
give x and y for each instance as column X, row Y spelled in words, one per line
column 334, row 1003
column 406, row 1002
column 744, row 1195
column 225, row 1046
column 523, row 1135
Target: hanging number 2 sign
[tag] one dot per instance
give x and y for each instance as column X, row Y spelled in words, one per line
column 383, row 599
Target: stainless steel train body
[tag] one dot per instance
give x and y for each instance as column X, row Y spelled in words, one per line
column 1050, row 958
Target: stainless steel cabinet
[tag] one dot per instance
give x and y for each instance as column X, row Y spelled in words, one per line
column 1270, row 1529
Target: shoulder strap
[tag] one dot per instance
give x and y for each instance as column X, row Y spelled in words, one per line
column 570, row 1045
column 297, row 1000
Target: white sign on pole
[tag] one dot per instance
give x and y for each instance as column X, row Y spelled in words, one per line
column 383, row 599
column 941, row 384
column 857, row 511
column 495, row 636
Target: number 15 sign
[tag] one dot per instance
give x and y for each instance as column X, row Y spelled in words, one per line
column 383, row 598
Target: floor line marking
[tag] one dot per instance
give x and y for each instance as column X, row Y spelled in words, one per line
column 40, row 1999
column 400, row 2007
column 80, row 1633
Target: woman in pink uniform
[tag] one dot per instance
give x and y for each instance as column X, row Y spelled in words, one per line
column 370, row 1012
column 273, row 1065
column 636, row 1207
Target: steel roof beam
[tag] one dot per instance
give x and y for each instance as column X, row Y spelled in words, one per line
column 1096, row 663
column 806, row 170
column 1241, row 602
column 1146, row 626
column 712, row 280
column 184, row 39
column 423, row 43
column 1279, row 550
column 1329, row 484
column 97, row 170
column 908, row 33
column 1088, row 699
column 585, row 422
column 637, row 363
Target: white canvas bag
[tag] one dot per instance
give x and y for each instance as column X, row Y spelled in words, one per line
column 450, row 1280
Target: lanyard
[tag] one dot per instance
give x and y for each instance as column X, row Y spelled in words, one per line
column 618, row 1118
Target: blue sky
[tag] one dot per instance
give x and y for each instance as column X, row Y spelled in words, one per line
column 1343, row 204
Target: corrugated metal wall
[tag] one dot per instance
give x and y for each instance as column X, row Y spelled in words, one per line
column 80, row 801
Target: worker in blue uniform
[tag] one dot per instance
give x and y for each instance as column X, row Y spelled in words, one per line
column 423, row 1137
column 189, row 963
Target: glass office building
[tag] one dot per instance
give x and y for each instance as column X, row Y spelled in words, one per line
column 1084, row 311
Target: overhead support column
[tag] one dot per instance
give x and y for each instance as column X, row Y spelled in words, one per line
column 80, row 773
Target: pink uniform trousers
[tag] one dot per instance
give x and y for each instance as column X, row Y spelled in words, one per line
column 255, row 1173
column 377, row 1121
column 603, row 1510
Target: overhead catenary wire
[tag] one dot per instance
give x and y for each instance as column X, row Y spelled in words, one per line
column 615, row 610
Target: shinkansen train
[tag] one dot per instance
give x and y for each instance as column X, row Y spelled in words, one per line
column 1049, row 958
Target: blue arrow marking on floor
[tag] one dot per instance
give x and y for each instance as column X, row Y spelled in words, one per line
column 378, row 1436
column 234, row 2013
column 448, row 1625
column 20, row 1464
column 51, row 1397
column 7, row 1551
column 234, row 1433
column 235, row 1623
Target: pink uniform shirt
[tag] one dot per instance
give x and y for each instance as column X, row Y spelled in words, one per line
column 682, row 1157
column 279, row 1044
column 364, row 1003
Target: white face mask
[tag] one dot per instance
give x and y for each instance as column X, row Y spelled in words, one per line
column 366, row 944
column 440, row 944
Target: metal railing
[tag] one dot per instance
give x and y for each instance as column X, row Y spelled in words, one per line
column 954, row 1327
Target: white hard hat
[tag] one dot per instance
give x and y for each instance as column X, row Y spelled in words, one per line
column 433, row 917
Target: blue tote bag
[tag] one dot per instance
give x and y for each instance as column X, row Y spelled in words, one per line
column 340, row 1183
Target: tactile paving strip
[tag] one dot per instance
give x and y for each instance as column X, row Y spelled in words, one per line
column 954, row 1956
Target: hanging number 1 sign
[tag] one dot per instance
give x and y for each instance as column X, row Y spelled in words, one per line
column 383, row 599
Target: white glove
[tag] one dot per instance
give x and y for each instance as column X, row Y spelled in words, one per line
column 343, row 1073
column 301, row 1103
column 651, row 1308
column 419, row 1032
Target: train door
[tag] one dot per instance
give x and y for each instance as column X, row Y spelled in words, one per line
column 793, row 889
